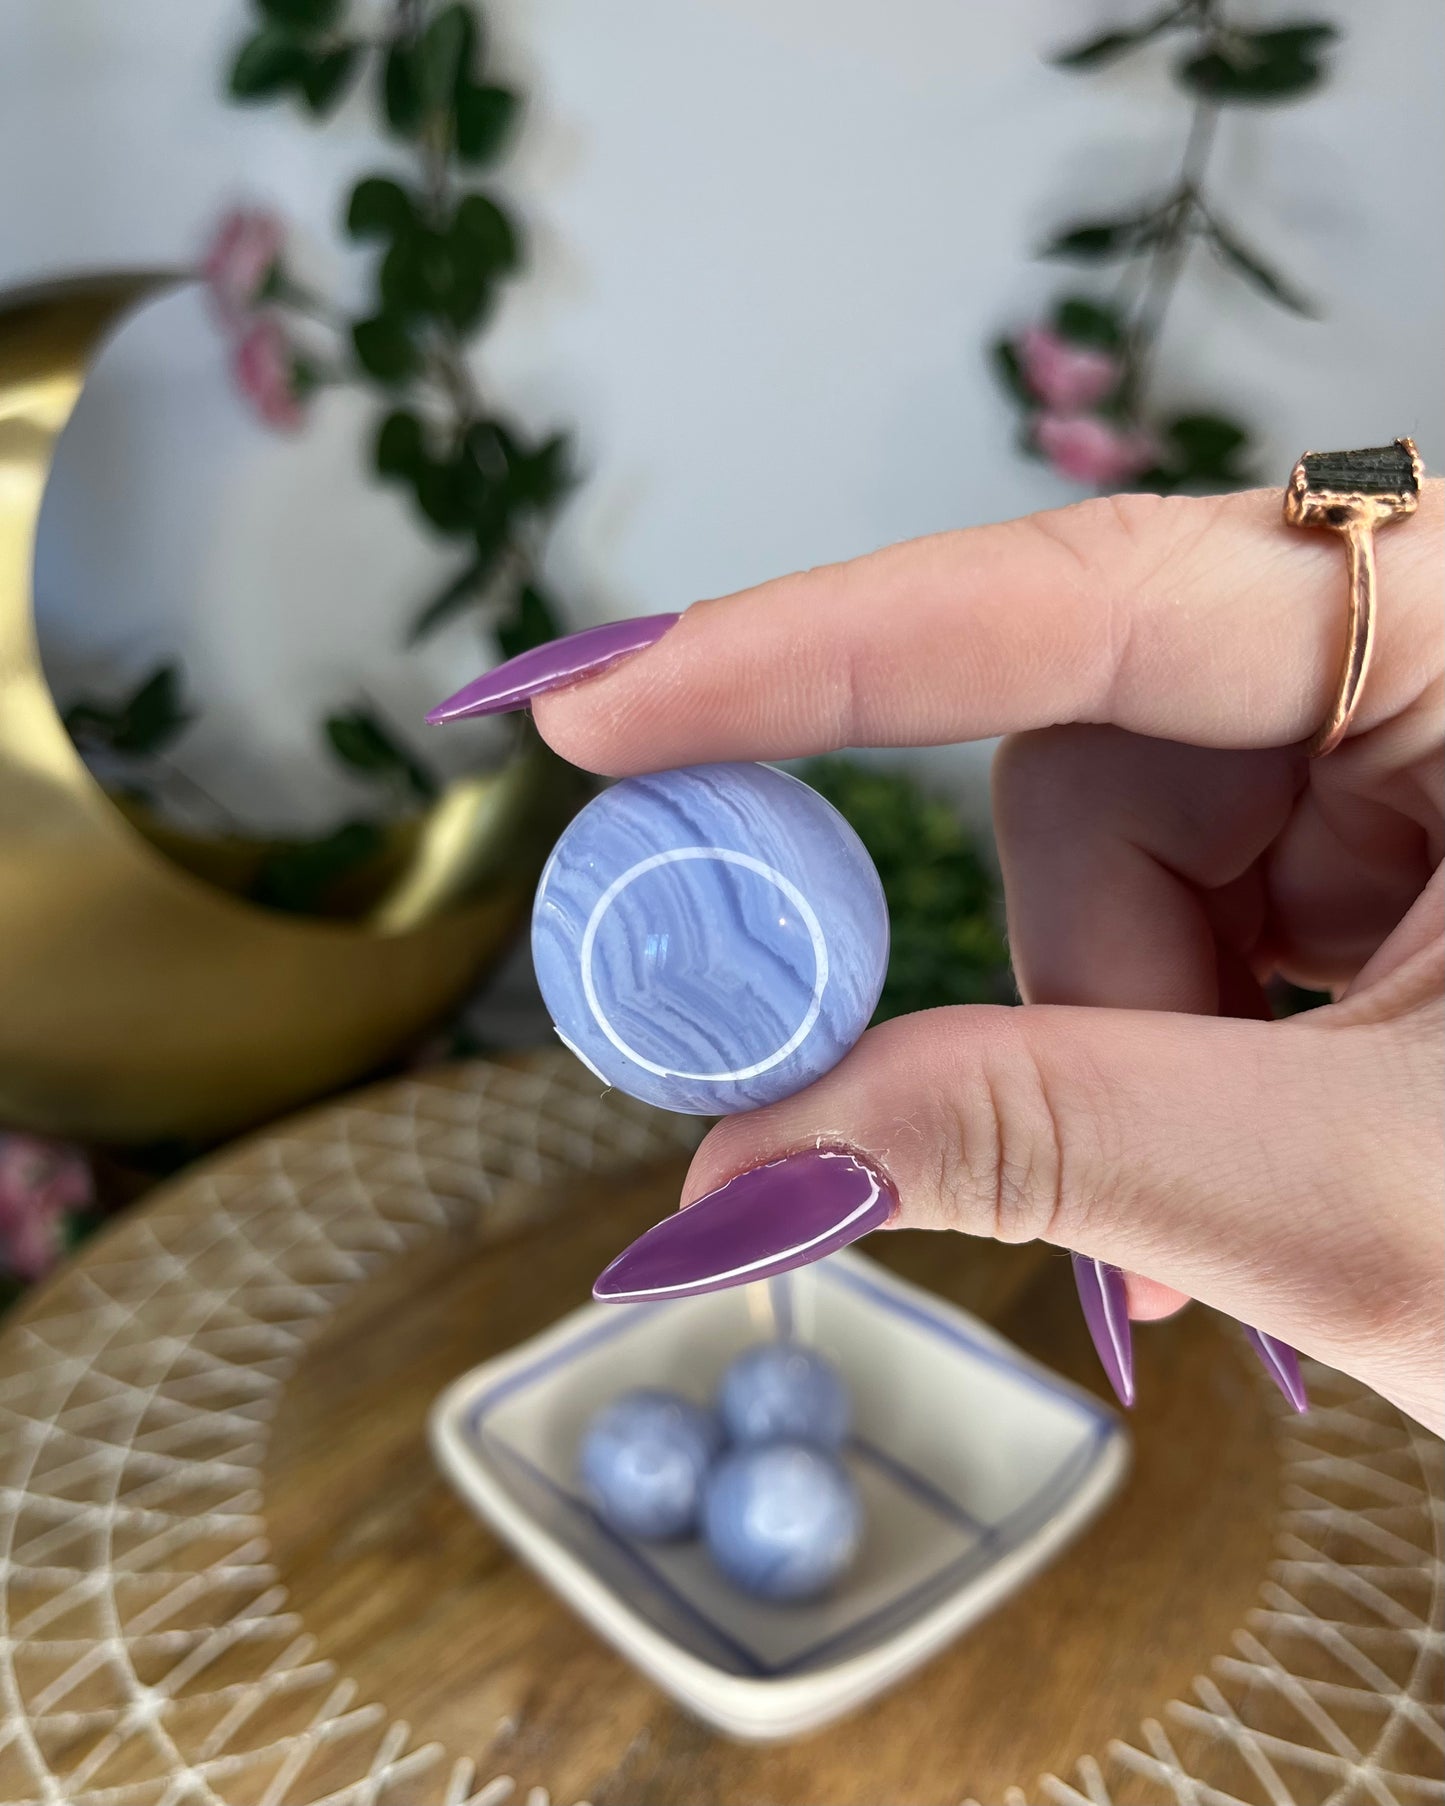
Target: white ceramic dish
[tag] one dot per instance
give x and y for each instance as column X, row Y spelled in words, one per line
column 976, row 1466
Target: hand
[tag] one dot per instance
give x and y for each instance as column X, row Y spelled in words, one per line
column 1165, row 847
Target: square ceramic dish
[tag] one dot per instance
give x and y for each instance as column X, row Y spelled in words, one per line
column 975, row 1465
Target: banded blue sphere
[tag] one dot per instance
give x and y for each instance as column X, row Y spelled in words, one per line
column 643, row 1461
column 783, row 1392
column 782, row 1520
column 711, row 939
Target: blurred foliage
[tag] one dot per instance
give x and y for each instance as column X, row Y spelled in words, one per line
column 943, row 898
column 1218, row 62
column 145, row 722
column 303, row 875
column 945, row 903
column 362, row 742
column 300, row 876
column 443, row 246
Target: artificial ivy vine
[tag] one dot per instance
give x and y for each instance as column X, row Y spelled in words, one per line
column 444, row 244
column 444, row 247
column 1084, row 378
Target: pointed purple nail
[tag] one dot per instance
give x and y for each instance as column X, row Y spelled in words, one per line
column 1104, row 1296
column 783, row 1215
column 551, row 667
column 1281, row 1363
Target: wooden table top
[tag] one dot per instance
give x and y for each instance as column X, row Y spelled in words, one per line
column 229, row 1571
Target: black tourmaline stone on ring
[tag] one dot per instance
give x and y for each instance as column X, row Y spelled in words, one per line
column 1352, row 493
column 1378, row 470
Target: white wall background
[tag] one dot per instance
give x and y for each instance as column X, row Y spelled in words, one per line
column 770, row 240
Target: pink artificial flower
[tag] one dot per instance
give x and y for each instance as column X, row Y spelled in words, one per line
column 264, row 369
column 1095, row 451
column 40, row 1181
column 1066, row 378
column 243, row 252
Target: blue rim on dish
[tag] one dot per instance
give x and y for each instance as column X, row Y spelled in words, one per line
column 990, row 1543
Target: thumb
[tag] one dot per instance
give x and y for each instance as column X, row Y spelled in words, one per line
column 1217, row 1156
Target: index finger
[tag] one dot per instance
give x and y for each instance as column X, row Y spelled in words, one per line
column 1197, row 619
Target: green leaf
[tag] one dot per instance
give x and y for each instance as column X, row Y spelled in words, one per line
column 1258, row 66
column 479, row 247
column 444, row 55
column 146, row 721
column 428, row 272
column 469, row 297
column 1287, row 40
column 539, row 478
column 379, row 208
column 490, row 447
column 301, row 16
column 327, row 77
column 384, row 349
column 1258, row 273
column 266, row 65
column 401, row 96
column 484, row 120
column 361, row 741
column 482, row 233
column 400, row 445
column 532, row 623
column 443, row 497
column 1087, row 322
column 298, row 875
column 461, row 592
column 89, row 723
column 1094, row 53
column 153, row 716
column 405, row 281
column 1093, row 240
column 1209, row 445
column 1009, row 371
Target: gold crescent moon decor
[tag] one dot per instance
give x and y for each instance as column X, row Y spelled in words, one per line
column 139, row 999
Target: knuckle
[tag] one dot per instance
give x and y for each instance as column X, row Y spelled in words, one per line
column 1006, row 1151
column 1095, row 532
column 1138, row 518
column 1118, row 549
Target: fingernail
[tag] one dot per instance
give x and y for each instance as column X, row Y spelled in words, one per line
column 783, row 1215
column 551, row 667
column 1103, row 1294
column 1281, row 1363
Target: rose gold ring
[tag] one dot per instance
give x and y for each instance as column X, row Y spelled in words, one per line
column 1352, row 493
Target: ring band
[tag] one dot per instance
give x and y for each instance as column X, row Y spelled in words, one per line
column 1352, row 493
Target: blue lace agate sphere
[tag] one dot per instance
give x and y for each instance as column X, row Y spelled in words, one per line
column 710, row 939
column 782, row 1392
column 643, row 1461
column 782, row 1521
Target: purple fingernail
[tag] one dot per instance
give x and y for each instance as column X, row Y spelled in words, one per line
column 1281, row 1363
column 551, row 667
column 783, row 1215
column 1104, row 1295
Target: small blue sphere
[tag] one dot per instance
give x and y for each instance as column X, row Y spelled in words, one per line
column 782, row 1392
column 643, row 1461
column 782, row 1520
column 712, row 939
